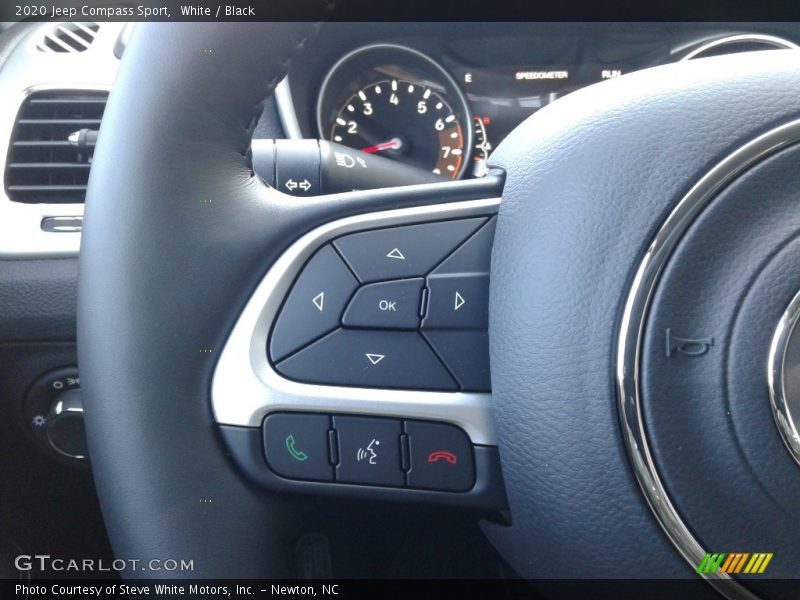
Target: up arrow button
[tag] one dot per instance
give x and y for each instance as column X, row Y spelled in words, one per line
column 404, row 252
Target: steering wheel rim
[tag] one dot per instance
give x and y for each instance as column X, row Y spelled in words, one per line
column 153, row 490
column 590, row 180
column 169, row 261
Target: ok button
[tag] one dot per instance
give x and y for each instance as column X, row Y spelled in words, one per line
column 386, row 305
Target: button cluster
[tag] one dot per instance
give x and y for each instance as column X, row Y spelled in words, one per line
column 403, row 307
column 369, row 451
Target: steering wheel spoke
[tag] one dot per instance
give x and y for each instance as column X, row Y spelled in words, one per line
column 176, row 247
column 371, row 326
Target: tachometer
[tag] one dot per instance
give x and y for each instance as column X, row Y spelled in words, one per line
column 395, row 102
column 405, row 121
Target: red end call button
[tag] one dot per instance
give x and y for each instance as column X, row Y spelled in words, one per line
column 441, row 457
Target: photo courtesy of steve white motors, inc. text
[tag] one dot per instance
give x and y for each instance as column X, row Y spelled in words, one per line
column 139, row 12
column 170, row 589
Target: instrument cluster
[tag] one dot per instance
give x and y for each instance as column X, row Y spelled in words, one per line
column 443, row 106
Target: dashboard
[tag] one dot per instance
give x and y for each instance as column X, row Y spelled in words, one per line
column 441, row 96
column 437, row 96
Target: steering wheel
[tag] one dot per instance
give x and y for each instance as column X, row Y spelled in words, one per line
column 642, row 277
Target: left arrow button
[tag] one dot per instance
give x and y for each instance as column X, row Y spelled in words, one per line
column 319, row 301
column 314, row 304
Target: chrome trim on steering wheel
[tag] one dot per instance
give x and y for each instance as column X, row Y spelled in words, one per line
column 785, row 417
column 774, row 42
column 245, row 386
column 630, row 340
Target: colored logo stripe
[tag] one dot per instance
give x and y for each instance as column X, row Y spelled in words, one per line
column 734, row 562
column 758, row 563
column 711, row 563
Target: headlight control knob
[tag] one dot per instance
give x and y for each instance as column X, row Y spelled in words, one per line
column 65, row 426
column 53, row 415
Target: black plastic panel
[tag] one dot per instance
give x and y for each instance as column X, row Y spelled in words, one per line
column 296, row 445
column 466, row 355
column 314, row 305
column 369, row 358
column 46, row 489
column 386, row 305
column 429, row 276
column 401, row 252
column 474, row 255
column 369, row 450
column 440, row 457
column 38, row 299
column 246, row 449
column 457, row 302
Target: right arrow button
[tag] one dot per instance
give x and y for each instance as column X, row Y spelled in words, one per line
column 457, row 302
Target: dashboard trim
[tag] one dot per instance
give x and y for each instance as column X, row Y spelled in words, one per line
column 20, row 224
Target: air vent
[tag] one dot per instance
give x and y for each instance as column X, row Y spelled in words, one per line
column 52, row 146
column 68, row 37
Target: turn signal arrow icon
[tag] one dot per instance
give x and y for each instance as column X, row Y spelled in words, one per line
column 375, row 358
column 292, row 185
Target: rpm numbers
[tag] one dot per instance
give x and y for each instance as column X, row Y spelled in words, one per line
column 395, row 102
column 405, row 121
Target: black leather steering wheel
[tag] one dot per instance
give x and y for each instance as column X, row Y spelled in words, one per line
column 178, row 232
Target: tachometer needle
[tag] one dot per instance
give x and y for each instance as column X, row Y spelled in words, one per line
column 392, row 144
